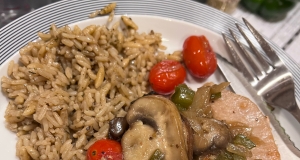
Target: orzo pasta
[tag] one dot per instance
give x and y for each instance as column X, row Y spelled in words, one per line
column 71, row 82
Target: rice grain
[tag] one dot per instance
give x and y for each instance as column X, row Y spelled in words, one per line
column 71, row 82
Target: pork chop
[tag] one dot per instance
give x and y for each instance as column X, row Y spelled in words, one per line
column 235, row 108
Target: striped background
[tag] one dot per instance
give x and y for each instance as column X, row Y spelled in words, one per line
column 19, row 32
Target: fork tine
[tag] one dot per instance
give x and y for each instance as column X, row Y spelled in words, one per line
column 237, row 60
column 265, row 66
column 254, row 67
column 264, row 44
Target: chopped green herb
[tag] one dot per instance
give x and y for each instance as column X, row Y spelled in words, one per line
column 224, row 155
column 157, row 155
column 238, row 157
column 243, row 140
column 215, row 96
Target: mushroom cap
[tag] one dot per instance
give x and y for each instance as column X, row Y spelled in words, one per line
column 162, row 116
column 209, row 134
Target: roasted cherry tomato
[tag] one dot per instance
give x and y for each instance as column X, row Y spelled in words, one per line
column 166, row 75
column 198, row 56
column 106, row 149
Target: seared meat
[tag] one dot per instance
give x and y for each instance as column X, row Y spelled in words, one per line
column 233, row 108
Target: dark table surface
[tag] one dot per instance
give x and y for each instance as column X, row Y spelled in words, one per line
column 13, row 9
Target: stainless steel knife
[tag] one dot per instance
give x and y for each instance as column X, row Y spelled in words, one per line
column 237, row 80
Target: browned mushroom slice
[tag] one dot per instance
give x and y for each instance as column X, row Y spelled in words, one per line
column 188, row 136
column 209, row 134
column 155, row 123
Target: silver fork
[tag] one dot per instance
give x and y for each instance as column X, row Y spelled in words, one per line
column 268, row 76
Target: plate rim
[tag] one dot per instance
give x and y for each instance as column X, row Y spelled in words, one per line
column 215, row 13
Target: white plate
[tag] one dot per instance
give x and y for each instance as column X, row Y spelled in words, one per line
column 19, row 32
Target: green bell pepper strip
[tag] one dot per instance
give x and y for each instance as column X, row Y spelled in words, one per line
column 225, row 155
column 270, row 10
column 182, row 97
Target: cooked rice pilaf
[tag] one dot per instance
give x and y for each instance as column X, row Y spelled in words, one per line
column 68, row 85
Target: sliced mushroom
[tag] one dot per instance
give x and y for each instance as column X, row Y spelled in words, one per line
column 209, row 134
column 188, row 135
column 155, row 123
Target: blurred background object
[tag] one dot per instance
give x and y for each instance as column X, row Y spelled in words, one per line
column 278, row 20
column 227, row 6
column 13, row 9
column 270, row 10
